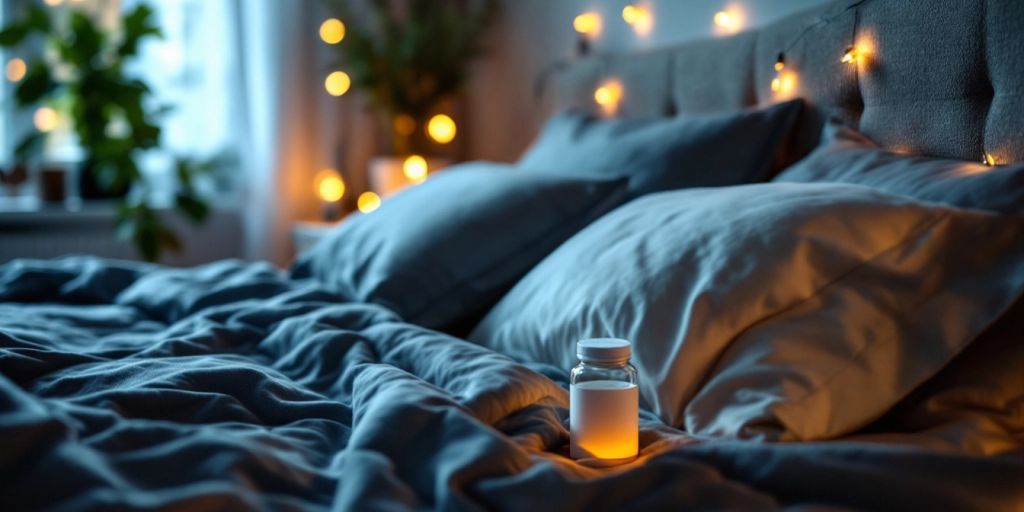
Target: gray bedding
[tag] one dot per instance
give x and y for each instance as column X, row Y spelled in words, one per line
column 229, row 386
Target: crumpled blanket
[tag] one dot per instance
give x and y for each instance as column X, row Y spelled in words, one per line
column 230, row 387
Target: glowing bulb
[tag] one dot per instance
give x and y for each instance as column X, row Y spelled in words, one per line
column 337, row 83
column 988, row 160
column 441, row 128
column 332, row 31
column 588, row 24
column 776, row 84
column 608, row 96
column 728, row 21
column 16, row 69
column 329, row 185
column 404, row 125
column 639, row 17
column 45, row 119
column 850, row 56
column 368, row 202
column 415, row 168
column 780, row 63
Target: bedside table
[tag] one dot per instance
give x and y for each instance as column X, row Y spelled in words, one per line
column 305, row 234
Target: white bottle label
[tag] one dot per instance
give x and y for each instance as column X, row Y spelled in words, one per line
column 603, row 419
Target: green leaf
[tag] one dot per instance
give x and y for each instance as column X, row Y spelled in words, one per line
column 13, row 35
column 36, row 85
column 192, row 207
column 137, row 25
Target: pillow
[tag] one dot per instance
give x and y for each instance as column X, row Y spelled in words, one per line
column 847, row 156
column 776, row 311
column 976, row 404
column 441, row 251
column 663, row 154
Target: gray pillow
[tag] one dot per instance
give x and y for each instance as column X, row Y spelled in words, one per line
column 779, row 311
column 442, row 251
column 847, row 156
column 664, row 154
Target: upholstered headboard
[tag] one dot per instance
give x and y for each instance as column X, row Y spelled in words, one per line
column 939, row 77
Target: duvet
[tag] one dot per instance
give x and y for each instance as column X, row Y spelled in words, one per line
column 229, row 386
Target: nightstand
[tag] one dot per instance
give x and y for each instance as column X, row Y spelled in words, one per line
column 305, row 234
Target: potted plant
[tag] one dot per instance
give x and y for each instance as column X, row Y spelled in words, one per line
column 410, row 59
column 78, row 79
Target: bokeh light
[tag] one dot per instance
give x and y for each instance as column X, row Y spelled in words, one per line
column 441, row 128
column 329, row 185
column 368, row 202
column 415, row 168
column 332, row 31
column 45, row 119
column 16, row 69
column 337, row 83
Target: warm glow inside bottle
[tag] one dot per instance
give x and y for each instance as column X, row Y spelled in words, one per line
column 604, row 403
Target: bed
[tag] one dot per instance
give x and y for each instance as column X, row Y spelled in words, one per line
column 388, row 371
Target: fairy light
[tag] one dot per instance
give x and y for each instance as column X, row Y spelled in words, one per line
column 415, row 168
column 441, row 129
column 337, row 83
column 608, row 95
column 988, row 160
column 785, row 81
column 639, row 17
column 332, row 31
column 45, row 119
column 404, row 125
column 587, row 24
column 368, row 202
column 16, row 69
column 329, row 186
column 728, row 21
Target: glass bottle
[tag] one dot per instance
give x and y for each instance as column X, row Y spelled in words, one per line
column 604, row 403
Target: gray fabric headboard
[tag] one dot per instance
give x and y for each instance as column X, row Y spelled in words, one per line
column 942, row 77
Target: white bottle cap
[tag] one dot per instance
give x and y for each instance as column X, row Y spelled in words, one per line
column 603, row 350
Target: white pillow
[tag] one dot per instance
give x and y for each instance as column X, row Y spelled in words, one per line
column 776, row 311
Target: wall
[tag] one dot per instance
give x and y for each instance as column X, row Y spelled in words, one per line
column 502, row 112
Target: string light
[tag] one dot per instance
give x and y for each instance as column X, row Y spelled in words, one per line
column 785, row 82
column 404, row 125
column 728, row 21
column 587, row 24
column 368, row 202
column 608, row 95
column 329, row 185
column 850, row 56
column 332, row 31
column 16, row 69
column 441, row 128
column 415, row 168
column 988, row 160
column 45, row 119
column 639, row 17
column 337, row 83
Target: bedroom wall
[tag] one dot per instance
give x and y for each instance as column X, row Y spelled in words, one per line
column 502, row 114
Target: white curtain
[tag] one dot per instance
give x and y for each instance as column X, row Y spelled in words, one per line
column 288, row 125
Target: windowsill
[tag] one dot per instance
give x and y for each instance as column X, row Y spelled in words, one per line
column 29, row 211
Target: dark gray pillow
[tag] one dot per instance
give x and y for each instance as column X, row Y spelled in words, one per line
column 443, row 251
column 665, row 154
column 847, row 156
